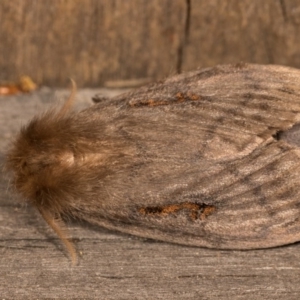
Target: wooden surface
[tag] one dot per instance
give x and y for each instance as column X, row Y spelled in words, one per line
column 256, row 31
column 94, row 41
column 89, row 40
column 34, row 264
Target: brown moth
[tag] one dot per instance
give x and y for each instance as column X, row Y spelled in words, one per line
column 204, row 158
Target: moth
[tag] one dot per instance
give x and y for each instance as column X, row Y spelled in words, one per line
column 207, row 158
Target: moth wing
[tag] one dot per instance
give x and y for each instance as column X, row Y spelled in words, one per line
column 229, row 110
column 207, row 137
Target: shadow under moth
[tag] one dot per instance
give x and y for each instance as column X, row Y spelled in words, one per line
column 207, row 158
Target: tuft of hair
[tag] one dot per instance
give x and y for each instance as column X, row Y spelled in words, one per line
column 38, row 160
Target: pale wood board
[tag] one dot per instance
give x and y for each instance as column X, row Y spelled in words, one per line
column 34, row 264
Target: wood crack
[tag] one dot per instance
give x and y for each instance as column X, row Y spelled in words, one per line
column 184, row 41
column 283, row 10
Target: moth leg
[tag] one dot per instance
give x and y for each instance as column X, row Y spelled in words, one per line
column 59, row 228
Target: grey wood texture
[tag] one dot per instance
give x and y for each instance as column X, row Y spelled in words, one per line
column 35, row 265
column 94, row 41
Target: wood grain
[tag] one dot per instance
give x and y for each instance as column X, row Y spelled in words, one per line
column 116, row 266
column 94, row 41
column 91, row 41
column 250, row 31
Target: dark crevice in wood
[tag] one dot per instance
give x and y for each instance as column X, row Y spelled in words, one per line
column 283, row 10
column 184, row 41
column 268, row 48
column 116, row 277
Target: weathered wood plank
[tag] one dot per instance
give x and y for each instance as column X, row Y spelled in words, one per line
column 250, row 31
column 89, row 40
column 96, row 41
column 34, row 264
